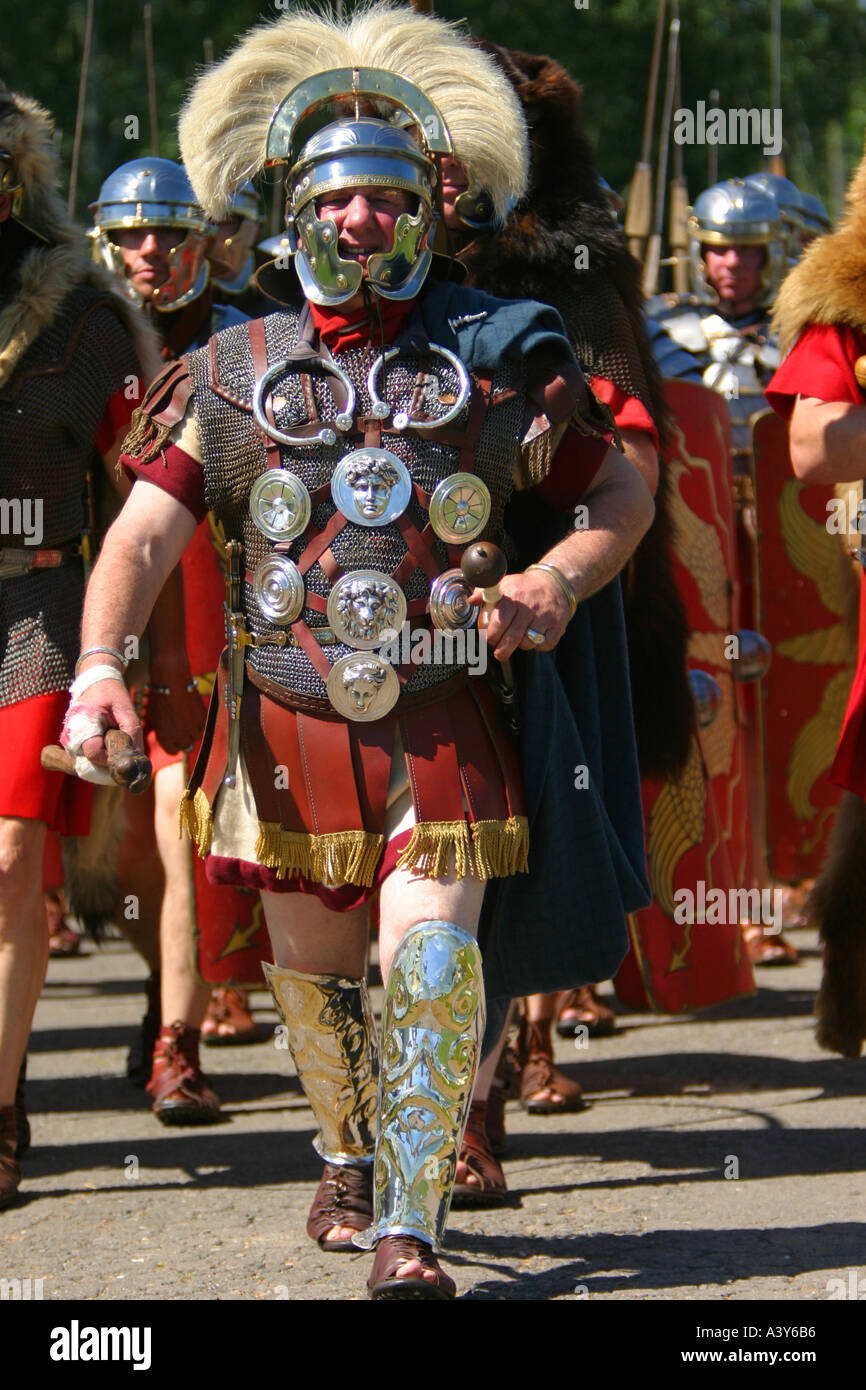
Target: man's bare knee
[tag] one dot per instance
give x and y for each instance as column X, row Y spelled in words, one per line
column 22, row 843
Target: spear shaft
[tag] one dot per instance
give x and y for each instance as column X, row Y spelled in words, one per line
column 79, row 114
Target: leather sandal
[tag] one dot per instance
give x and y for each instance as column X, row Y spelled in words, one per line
column 583, row 1008
column 768, row 950
column 181, row 1095
column 344, row 1197
column 540, row 1075
column 10, row 1173
column 228, row 1021
column 394, row 1251
column 495, row 1125
column 476, row 1158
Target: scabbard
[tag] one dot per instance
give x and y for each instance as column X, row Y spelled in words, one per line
column 237, row 638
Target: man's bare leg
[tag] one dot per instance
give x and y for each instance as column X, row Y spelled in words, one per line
column 23, row 942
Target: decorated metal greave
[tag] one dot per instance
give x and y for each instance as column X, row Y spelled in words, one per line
column 332, row 1039
column 432, row 1025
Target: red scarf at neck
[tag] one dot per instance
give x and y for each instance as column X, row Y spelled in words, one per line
column 338, row 330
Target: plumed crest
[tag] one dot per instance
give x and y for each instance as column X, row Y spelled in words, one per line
column 225, row 120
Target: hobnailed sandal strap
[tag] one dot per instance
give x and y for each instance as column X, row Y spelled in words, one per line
column 344, row 1197
column 394, row 1251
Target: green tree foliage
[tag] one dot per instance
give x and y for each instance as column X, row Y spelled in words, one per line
column 606, row 44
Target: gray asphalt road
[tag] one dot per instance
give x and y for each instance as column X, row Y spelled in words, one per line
column 723, row 1157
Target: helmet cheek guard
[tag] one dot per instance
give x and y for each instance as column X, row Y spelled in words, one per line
column 366, row 152
column 188, row 273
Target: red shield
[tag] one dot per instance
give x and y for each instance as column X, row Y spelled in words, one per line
column 230, row 933
column 698, row 829
column 807, row 585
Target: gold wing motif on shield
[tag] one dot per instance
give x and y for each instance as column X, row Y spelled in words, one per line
column 676, row 824
column 815, row 745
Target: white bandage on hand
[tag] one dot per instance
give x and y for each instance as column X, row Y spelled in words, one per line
column 89, row 772
column 81, row 723
column 91, row 676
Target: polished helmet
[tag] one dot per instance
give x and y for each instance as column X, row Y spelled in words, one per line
column 360, row 151
column 232, row 259
column 790, row 203
column 816, row 219
column 735, row 213
column 153, row 192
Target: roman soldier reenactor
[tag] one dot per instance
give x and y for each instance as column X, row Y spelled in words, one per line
column 354, row 453
column 819, row 389
column 71, row 360
column 150, row 230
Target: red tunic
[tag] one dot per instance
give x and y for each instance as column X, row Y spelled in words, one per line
column 27, row 790
column 821, row 364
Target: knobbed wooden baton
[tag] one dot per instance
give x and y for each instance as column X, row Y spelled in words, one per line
column 128, row 768
column 483, row 566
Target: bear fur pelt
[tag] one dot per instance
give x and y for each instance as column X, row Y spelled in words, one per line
column 837, row 906
column 598, row 294
column 829, row 284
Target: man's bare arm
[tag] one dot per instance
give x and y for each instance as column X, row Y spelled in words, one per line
column 620, row 511
column 828, row 441
column 140, row 551
column 639, row 449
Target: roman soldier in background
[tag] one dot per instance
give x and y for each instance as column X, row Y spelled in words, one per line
column 233, row 254
column 71, row 364
column 819, row 390
column 743, row 238
column 149, row 229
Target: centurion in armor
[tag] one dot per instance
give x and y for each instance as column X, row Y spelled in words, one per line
column 350, row 451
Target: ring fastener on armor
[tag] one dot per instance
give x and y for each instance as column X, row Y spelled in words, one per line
column 535, row 637
column 381, row 410
column 343, row 421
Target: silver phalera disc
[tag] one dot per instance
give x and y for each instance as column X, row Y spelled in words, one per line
column 449, row 602
column 371, row 487
column 280, row 505
column 365, row 609
column 460, row 508
column 279, row 589
column 363, row 686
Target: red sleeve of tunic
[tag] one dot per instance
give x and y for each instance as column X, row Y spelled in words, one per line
column 820, row 364
column 577, row 459
column 115, row 421
column 628, row 412
column 176, row 472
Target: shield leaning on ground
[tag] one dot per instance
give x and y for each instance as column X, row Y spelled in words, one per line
column 697, row 828
column 231, row 937
column 809, row 591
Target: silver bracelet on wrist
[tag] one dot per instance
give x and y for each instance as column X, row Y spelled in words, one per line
column 567, row 591
column 109, row 651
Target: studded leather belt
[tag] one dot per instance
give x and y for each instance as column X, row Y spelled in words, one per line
column 15, row 562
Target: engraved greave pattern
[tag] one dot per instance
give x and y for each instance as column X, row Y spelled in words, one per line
column 332, row 1039
column 432, row 1024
